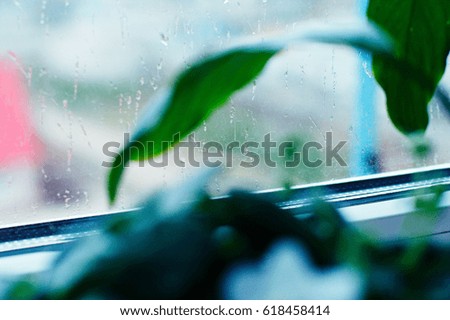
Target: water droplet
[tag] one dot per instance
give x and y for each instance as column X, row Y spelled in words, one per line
column 254, row 90
column 43, row 8
column 164, row 39
column 313, row 122
column 69, row 160
column 217, row 183
column 232, row 112
column 153, row 84
column 159, row 65
column 286, row 79
column 138, row 95
column 45, row 175
column 86, row 197
column 66, row 202
column 367, row 69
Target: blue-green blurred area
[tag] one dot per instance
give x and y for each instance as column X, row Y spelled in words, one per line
column 92, row 66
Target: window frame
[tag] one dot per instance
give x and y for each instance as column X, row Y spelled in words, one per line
column 374, row 190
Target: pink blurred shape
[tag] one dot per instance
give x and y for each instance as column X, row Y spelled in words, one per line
column 18, row 141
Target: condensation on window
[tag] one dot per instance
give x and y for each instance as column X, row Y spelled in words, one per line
column 75, row 75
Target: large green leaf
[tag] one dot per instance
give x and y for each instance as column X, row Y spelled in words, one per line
column 420, row 30
column 197, row 92
column 207, row 84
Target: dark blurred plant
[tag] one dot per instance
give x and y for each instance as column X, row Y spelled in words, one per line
column 180, row 248
column 183, row 245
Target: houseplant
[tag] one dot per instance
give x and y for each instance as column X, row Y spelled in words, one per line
column 183, row 245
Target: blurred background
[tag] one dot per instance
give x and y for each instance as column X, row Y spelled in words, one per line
column 77, row 74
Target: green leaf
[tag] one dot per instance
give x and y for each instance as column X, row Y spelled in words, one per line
column 209, row 83
column 420, row 30
column 197, row 92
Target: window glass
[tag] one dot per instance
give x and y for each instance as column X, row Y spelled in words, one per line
column 76, row 75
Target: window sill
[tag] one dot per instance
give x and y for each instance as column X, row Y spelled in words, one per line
column 378, row 204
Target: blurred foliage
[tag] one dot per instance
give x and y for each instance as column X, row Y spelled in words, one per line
column 174, row 249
